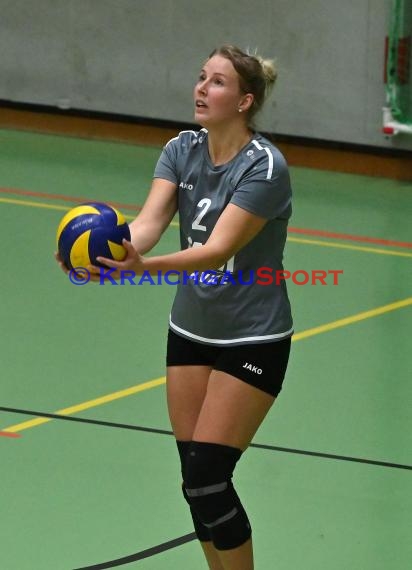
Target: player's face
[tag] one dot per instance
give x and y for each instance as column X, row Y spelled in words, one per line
column 217, row 93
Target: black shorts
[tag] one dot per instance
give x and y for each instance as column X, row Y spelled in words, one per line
column 262, row 365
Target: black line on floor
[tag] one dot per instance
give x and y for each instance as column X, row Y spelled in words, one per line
column 84, row 420
column 332, row 456
column 168, row 432
column 143, row 554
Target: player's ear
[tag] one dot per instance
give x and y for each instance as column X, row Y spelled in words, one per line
column 246, row 102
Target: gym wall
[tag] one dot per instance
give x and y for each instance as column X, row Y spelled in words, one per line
column 140, row 58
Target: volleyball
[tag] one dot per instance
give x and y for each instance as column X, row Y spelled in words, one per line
column 90, row 230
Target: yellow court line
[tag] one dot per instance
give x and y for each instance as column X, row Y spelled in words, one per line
column 176, row 225
column 54, row 207
column 159, row 381
column 34, row 204
column 90, row 404
column 351, row 247
column 353, row 319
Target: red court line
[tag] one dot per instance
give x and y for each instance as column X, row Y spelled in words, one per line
column 19, row 192
column 335, row 235
column 9, row 434
column 304, row 231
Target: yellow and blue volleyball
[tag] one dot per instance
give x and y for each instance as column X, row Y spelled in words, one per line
column 91, row 230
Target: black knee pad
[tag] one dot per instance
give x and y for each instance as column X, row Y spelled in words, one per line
column 183, row 449
column 207, row 480
column 201, row 531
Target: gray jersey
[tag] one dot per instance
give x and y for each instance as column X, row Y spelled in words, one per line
column 236, row 306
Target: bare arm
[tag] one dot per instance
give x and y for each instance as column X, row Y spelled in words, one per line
column 234, row 229
column 157, row 213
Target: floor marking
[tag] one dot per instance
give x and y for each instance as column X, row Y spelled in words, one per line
column 332, row 456
column 291, row 229
column 176, row 225
column 55, row 207
column 143, row 554
column 89, row 404
column 34, row 194
column 170, row 433
column 8, row 434
column 76, row 419
column 162, row 380
column 349, row 237
column 34, row 204
column 353, row 319
column 351, row 247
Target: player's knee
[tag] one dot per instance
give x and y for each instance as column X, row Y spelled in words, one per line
column 209, row 490
column 202, row 532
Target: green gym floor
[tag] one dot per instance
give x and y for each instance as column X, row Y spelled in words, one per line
column 328, row 480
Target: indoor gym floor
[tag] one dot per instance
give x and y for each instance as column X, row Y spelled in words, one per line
column 327, row 482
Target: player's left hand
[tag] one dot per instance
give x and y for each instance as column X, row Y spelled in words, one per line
column 132, row 262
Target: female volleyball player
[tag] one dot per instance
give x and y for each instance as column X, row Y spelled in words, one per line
column 229, row 343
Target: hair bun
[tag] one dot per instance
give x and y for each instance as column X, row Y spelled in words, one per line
column 269, row 71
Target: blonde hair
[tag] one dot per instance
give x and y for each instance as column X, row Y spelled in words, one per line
column 256, row 74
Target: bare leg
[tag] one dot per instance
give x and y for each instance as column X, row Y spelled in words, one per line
column 228, row 400
column 212, row 556
column 186, row 391
column 206, row 406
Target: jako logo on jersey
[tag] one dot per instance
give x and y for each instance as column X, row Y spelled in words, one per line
column 186, row 186
column 252, row 368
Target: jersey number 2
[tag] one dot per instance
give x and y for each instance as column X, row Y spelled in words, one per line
column 204, row 204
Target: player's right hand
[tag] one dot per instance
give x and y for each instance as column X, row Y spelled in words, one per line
column 60, row 262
